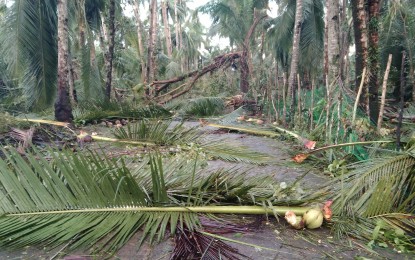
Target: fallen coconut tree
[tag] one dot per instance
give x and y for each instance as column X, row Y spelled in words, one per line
column 224, row 60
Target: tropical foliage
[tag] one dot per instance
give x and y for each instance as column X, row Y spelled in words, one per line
column 309, row 72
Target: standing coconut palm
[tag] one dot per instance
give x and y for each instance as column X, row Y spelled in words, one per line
column 63, row 109
column 360, row 37
column 374, row 8
column 333, row 36
column 295, row 54
column 167, row 34
column 151, row 50
column 140, row 38
column 110, row 53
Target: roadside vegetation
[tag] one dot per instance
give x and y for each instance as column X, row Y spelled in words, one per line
column 333, row 79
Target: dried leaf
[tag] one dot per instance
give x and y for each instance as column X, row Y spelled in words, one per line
column 327, row 212
column 309, row 144
column 299, row 158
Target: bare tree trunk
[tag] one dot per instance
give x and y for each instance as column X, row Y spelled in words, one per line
column 176, row 20
column 401, row 103
column 361, row 42
column 63, row 109
column 374, row 24
column 110, row 53
column 384, row 86
column 295, row 54
column 151, row 52
column 140, row 33
column 244, row 82
column 167, row 34
column 333, row 45
column 71, row 82
column 333, row 52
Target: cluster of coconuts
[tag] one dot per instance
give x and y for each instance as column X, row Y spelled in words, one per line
column 312, row 218
column 117, row 123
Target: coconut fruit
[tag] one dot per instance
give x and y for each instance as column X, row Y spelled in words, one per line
column 294, row 220
column 313, row 218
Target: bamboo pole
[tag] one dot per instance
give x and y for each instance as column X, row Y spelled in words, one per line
column 299, row 96
column 384, row 87
column 401, row 103
column 339, row 114
column 254, row 210
column 359, row 92
column 312, row 105
column 284, row 100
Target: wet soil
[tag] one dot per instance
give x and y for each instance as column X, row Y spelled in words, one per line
column 278, row 241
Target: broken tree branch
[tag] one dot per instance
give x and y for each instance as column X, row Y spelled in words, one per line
column 219, row 61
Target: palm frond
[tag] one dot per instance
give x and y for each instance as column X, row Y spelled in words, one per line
column 231, row 118
column 363, row 189
column 30, row 49
column 89, row 199
column 159, row 132
column 376, row 195
column 232, row 153
column 89, row 112
column 198, row 107
column 167, row 133
column 98, row 203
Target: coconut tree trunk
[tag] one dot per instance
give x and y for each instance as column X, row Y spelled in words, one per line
column 333, row 36
column 140, row 34
column 71, row 82
column 295, row 54
column 244, row 82
column 359, row 15
column 333, row 53
column 374, row 8
column 110, row 53
column 63, row 109
column 151, row 53
column 167, row 34
column 176, row 20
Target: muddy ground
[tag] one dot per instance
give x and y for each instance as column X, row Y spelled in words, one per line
column 279, row 240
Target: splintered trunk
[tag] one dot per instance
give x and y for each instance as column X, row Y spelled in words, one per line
column 110, row 53
column 63, row 109
column 166, row 25
column 151, row 53
column 374, row 8
column 295, row 55
column 140, row 34
column 244, row 67
column 361, row 42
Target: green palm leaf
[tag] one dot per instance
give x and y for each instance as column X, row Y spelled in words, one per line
column 28, row 38
column 90, row 199
column 166, row 133
column 97, row 203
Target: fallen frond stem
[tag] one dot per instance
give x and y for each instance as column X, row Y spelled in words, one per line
column 249, row 210
column 114, row 140
column 302, row 156
column 42, row 121
column 307, row 143
column 245, row 130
